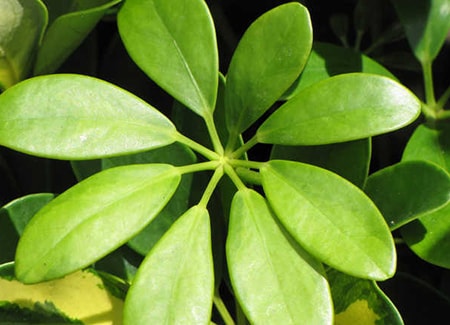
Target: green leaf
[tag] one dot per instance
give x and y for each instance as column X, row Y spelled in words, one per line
column 348, row 159
column 14, row 216
column 92, row 219
column 426, row 25
column 331, row 218
column 327, row 60
column 79, row 117
column 431, row 144
column 428, row 236
column 341, row 108
column 174, row 43
column 66, row 33
column 406, row 190
column 22, row 23
column 269, row 57
column 358, row 301
column 175, row 282
column 274, row 281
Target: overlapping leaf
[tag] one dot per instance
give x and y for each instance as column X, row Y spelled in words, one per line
column 174, row 43
column 93, row 218
column 331, row 218
column 79, row 117
column 274, row 282
column 175, row 282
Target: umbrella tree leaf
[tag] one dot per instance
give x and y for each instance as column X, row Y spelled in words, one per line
column 274, row 282
column 93, row 218
column 175, row 282
column 331, row 218
column 341, row 108
column 79, row 117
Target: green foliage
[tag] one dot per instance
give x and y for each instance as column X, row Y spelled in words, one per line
column 286, row 237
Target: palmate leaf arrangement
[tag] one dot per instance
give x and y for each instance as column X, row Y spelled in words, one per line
column 286, row 223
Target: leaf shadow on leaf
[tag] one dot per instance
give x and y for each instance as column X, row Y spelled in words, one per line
column 417, row 230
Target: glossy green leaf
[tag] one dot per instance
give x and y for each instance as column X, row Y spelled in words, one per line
column 359, row 301
column 274, row 281
column 65, row 34
column 348, row 159
column 69, row 233
column 174, row 43
column 341, row 108
column 331, row 218
column 327, row 60
column 268, row 59
column 174, row 284
column 429, row 238
column 14, row 216
column 22, row 23
column 79, row 117
column 426, row 23
column 430, row 144
column 406, row 190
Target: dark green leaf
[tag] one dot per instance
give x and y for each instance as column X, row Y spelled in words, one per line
column 174, row 284
column 174, row 43
column 274, row 282
column 268, row 59
column 348, row 159
column 92, row 219
column 341, row 108
column 406, row 190
column 79, row 117
column 331, row 218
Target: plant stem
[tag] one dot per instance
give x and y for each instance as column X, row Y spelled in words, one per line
column 241, row 319
column 444, row 98
column 234, row 177
column 212, row 130
column 222, row 309
column 246, row 163
column 244, row 148
column 201, row 149
column 249, row 175
column 209, row 165
column 428, row 82
column 218, row 173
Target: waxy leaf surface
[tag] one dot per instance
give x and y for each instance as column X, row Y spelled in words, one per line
column 93, row 218
column 331, row 218
column 406, row 190
column 79, row 117
column 341, row 108
column 175, row 282
column 274, row 281
column 174, row 43
column 268, row 59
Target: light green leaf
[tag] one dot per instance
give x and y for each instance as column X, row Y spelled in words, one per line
column 341, row 108
column 93, row 218
column 331, row 218
column 406, row 190
column 14, row 216
column 268, row 59
column 79, row 117
column 327, row 60
column 359, row 301
column 274, row 281
column 66, row 33
column 174, row 43
column 348, row 159
column 430, row 144
column 22, row 23
column 174, row 284
column 426, row 25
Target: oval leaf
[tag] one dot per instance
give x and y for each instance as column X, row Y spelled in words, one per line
column 92, row 219
column 274, row 282
column 175, row 282
column 269, row 57
column 426, row 25
column 342, row 108
column 331, row 218
column 174, row 43
column 79, row 117
column 407, row 190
